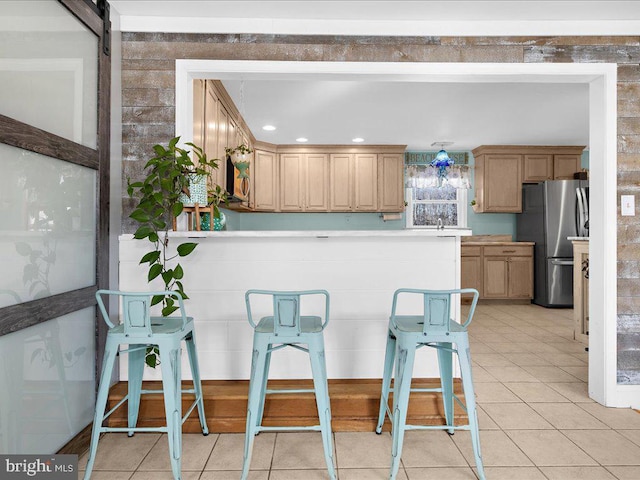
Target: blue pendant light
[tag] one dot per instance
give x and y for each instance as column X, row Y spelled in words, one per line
column 442, row 162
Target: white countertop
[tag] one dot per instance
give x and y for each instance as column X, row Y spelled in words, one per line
column 425, row 232
column 581, row 239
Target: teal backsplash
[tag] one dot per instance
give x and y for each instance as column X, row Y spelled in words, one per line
column 310, row 221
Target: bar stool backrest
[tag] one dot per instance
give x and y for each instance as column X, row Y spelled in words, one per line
column 286, row 310
column 436, row 308
column 136, row 315
column 136, row 310
column 437, row 312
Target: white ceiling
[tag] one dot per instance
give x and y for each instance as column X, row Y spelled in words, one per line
column 416, row 114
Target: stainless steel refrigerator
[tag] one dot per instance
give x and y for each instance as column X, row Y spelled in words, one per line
column 552, row 211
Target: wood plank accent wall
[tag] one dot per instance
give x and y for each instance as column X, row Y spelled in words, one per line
column 148, row 80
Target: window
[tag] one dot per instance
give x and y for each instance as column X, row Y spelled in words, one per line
column 429, row 204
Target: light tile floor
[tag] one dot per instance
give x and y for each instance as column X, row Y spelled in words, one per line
column 536, row 420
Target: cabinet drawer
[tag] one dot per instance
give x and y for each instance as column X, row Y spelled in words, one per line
column 509, row 250
column 470, row 251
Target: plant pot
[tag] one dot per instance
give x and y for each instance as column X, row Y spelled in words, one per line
column 197, row 191
column 219, row 224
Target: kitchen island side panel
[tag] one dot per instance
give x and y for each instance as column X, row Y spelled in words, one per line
column 360, row 273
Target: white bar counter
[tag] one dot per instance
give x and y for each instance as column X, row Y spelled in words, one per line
column 359, row 269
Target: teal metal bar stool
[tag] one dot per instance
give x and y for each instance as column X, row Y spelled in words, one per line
column 140, row 330
column 433, row 328
column 286, row 327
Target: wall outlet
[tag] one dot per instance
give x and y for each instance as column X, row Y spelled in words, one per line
column 628, row 205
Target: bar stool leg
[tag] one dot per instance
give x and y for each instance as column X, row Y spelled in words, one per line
column 445, row 362
column 319, row 371
column 405, row 356
column 110, row 351
column 389, row 358
column 136, row 370
column 470, row 400
column 263, row 389
column 197, row 384
column 171, row 385
column 258, row 363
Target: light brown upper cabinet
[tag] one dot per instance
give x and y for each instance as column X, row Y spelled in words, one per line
column 334, row 178
column 549, row 163
column 498, row 180
column 316, row 197
column 365, row 176
column 341, row 181
column 500, row 171
column 304, row 179
column 564, row 166
column 291, row 182
column 264, row 183
column 537, row 168
column 391, row 182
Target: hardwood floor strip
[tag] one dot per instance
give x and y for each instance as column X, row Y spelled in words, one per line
column 354, row 405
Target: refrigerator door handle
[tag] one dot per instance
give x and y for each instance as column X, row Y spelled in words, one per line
column 562, row 262
column 582, row 212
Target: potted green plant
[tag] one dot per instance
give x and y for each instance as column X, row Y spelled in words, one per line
column 240, row 159
column 160, row 198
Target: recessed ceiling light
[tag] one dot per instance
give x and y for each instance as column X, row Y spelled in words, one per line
column 357, row 140
column 302, row 139
column 269, row 128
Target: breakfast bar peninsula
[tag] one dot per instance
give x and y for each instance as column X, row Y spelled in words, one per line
column 359, row 268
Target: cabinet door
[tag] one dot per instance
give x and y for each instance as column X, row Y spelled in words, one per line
column 264, row 181
column 502, row 183
column 341, row 182
column 391, row 182
column 496, row 273
column 365, row 173
column 222, row 127
column 520, row 278
column 211, row 134
column 537, row 168
column 291, row 182
column 564, row 166
column 471, row 273
column 316, row 183
column 199, row 121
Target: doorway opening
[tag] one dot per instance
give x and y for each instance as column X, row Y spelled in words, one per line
column 601, row 79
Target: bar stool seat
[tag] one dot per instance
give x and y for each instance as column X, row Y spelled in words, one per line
column 139, row 330
column 435, row 329
column 286, row 327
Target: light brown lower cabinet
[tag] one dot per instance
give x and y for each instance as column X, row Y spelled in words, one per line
column 581, row 291
column 471, row 268
column 498, row 272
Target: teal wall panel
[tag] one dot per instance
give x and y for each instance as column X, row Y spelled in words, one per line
column 310, row 221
